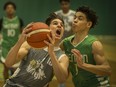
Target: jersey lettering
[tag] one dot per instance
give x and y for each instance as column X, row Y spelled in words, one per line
column 85, row 58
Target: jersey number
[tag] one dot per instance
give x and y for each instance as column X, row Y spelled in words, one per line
column 11, row 33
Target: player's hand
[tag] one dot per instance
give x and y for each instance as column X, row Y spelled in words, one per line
column 25, row 32
column 78, row 55
column 51, row 42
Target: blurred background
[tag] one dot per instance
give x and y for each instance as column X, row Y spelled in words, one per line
column 105, row 31
column 38, row 10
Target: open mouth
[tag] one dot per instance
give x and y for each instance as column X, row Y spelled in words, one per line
column 58, row 31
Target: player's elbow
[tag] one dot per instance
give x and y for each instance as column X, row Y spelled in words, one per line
column 7, row 64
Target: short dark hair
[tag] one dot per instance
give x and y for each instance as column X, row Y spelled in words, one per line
column 90, row 14
column 51, row 17
column 64, row 1
column 9, row 3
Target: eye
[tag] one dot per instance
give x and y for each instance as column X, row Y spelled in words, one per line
column 62, row 24
column 80, row 18
column 55, row 23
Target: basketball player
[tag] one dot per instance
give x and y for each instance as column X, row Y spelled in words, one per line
column 67, row 14
column 10, row 29
column 38, row 65
column 87, row 62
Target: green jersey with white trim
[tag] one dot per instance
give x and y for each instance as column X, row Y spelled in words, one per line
column 10, row 32
column 81, row 77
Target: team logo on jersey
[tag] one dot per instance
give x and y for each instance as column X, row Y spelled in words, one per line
column 72, row 58
column 73, row 61
column 36, row 69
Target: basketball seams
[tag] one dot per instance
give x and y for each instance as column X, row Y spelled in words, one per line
column 38, row 31
column 38, row 41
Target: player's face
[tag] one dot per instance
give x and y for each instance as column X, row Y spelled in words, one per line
column 65, row 5
column 80, row 22
column 57, row 27
column 10, row 10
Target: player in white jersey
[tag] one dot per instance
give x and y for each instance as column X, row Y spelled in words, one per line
column 67, row 15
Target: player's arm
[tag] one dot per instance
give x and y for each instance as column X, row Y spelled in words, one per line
column 20, row 49
column 102, row 67
column 16, row 53
column 60, row 66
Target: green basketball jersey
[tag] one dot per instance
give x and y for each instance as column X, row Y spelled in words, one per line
column 10, row 32
column 81, row 77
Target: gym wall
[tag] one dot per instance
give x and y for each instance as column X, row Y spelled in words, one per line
column 38, row 10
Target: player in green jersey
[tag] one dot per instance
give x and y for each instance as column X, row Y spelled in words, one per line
column 87, row 62
column 10, row 29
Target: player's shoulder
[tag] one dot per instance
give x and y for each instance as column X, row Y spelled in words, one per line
column 91, row 38
column 68, row 39
column 65, row 41
column 72, row 11
column 97, row 45
column 58, row 12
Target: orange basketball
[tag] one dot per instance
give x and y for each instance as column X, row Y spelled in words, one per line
column 38, row 35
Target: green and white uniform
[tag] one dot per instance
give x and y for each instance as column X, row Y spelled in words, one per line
column 10, row 31
column 81, row 77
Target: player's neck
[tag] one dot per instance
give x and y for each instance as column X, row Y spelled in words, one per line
column 57, row 43
column 79, row 36
column 65, row 11
column 10, row 16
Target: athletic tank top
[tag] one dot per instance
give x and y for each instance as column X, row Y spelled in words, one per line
column 35, row 70
column 10, row 32
column 81, row 77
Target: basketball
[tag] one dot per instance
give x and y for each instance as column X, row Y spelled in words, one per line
column 38, row 35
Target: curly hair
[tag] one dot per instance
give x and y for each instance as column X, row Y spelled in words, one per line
column 90, row 14
column 51, row 17
column 9, row 3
